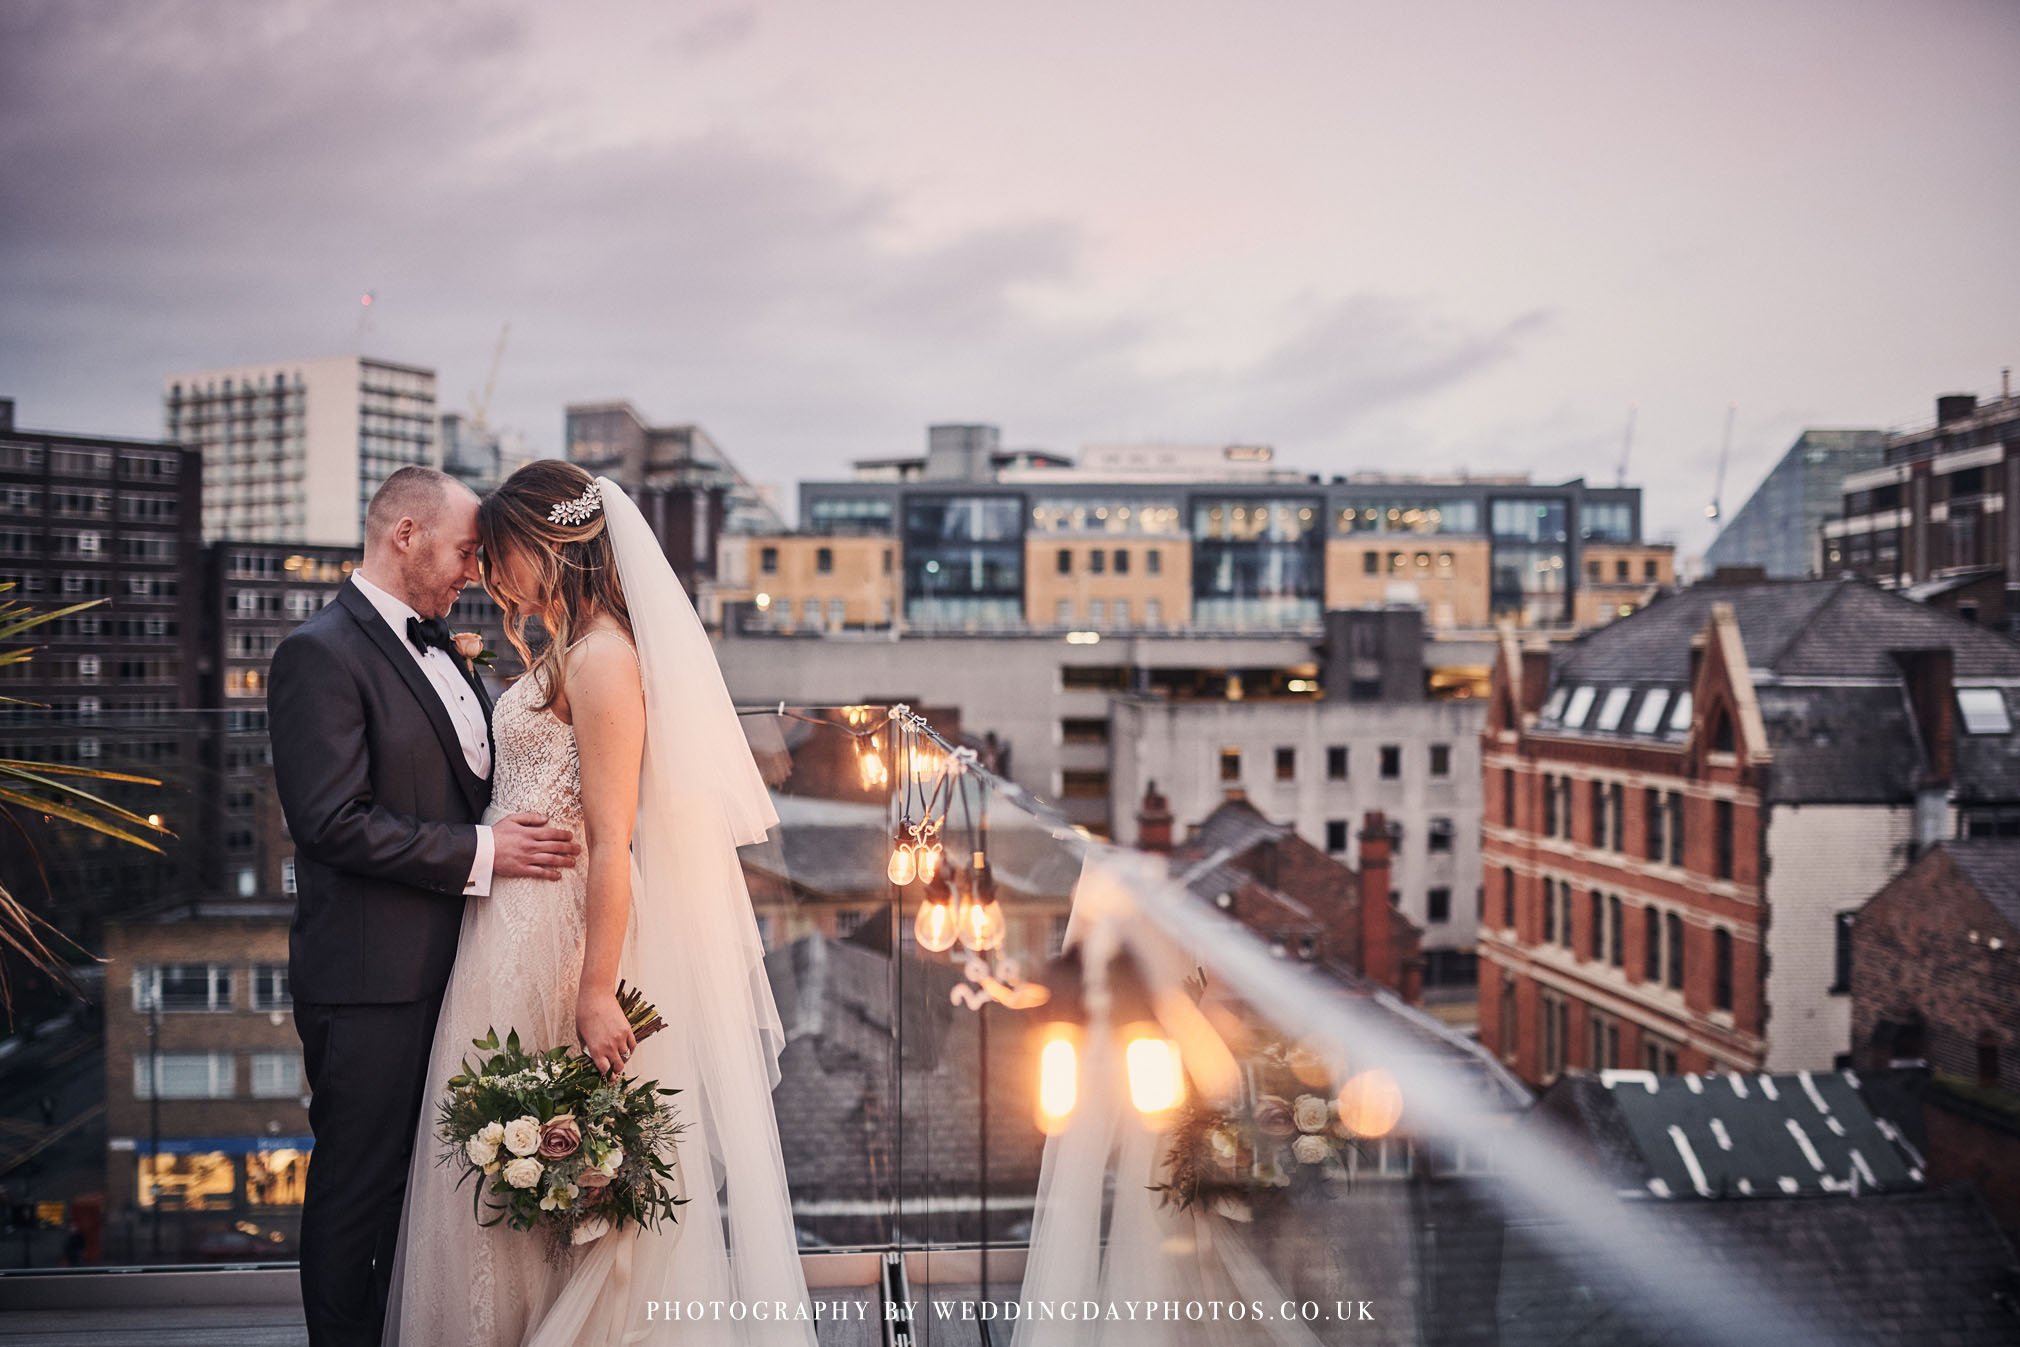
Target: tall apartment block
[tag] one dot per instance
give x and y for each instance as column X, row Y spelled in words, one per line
column 1780, row 528
column 92, row 517
column 293, row 449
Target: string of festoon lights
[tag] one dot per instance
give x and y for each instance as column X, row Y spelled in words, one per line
column 929, row 783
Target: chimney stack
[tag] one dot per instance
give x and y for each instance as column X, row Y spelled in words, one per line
column 1955, row 407
column 1153, row 821
column 1535, row 680
column 1378, row 955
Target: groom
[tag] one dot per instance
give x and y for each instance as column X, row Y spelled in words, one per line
column 382, row 758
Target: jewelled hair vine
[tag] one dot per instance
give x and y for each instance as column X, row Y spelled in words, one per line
column 580, row 510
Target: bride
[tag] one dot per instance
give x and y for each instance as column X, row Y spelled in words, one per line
column 621, row 729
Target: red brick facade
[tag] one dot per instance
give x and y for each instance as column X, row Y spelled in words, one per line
column 1580, row 1003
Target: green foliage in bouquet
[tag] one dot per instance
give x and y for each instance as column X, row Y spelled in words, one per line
column 549, row 1142
column 1278, row 1139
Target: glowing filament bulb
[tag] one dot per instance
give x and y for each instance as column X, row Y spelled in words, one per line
column 904, row 864
column 981, row 925
column 931, row 855
column 1156, row 1080
column 935, row 927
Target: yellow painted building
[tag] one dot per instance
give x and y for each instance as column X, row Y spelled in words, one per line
column 1449, row 576
column 1107, row 582
column 814, row 583
column 1621, row 577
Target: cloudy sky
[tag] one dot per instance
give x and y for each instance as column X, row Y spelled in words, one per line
column 1413, row 238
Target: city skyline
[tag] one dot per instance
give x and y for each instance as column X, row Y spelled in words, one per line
column 1465, row 242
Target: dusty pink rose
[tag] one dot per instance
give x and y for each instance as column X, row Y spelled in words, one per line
column 559, row 1137
column 592, row 1179
column 1273, row 1116
column 469, row 644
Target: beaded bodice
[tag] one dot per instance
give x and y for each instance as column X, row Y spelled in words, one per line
column 536, row 766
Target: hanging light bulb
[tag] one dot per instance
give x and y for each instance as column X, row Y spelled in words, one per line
column 937, row 924
column 870, row 764
column 932, row 857
column 981, row 924
column 904, row 866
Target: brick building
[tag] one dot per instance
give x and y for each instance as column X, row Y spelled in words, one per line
column 1681, row 807
column 1306, row 905
column 1934, row 969
column 198, row 1013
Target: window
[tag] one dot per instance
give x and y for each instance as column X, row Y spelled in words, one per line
column 270, row 982
column 1122, row 613
column 1153, row 561
column 1651, row 945
column 1722, row 824
column 1336, row 763
column 1287, row 764
column 1441, row 760
column 1598, row 813
column 276, row 1075
column 1651, row 817
column 1672, row 945
column 1596, row 942
column 824, row 560
column 1675, row 828
column 1578, row 708
column 1507, row 898
column 184, row 1075
column 1648, row 570
column 1096, row 561
column 1556, row 1034
column 1507, row 790
column 1062, row 614
column 1097, row 613
column 1721, row 969
column 1549, row 911
column 1841, row 961
column 1657, row 1056
column 1438, row 905
column 1508, row 1036
column 1336, row 836
column 1065, row 561
column 1648, row 719
column 1984, row 711
column 1392, row 765
column 1549, row 805
column 1122, row 561
column 288, row 876
column 768, row 560
column 182, row 987
column 1616, row 817
column 1613, row 708
column 1679, row 714
column 1371, row 563
column 1439, row 836
column 1230, row 764
column 1564, row 916
column 1604, row 1048
column 1616, row 946
column 1153, row 613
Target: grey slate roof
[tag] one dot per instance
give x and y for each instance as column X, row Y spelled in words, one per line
column 1831, row 695
column 1993, row 868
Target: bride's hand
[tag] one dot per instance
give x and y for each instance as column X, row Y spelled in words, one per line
column 605, row 1034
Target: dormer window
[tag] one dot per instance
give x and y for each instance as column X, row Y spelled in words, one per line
column 1984, row 711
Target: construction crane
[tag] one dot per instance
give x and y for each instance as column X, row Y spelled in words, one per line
column 1626, row 446
column 1711, row 511
column 480, row 403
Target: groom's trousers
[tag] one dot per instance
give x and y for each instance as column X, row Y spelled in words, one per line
column 367, row 1070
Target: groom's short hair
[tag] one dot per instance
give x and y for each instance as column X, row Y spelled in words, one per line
column 413, row 492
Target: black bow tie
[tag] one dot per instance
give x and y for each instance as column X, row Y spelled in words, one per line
column 433, row 632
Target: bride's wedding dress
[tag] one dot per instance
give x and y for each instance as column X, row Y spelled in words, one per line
column 693, row 949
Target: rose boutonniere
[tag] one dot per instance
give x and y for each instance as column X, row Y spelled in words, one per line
column 470, row 646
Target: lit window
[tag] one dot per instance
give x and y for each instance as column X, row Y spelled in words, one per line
column 1679, row 715
column 1579, row 707
column 1613, row 708
column 1984, row 711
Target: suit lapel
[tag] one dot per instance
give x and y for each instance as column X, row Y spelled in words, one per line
column 391, row 646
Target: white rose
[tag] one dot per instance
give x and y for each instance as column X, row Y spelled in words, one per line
column 1311, row 1150
column 613, row 1161
column 480, row 1151
column 522, row 1135
column 493, row 1132
column 522, row 1173
column 1311, row 1113
column 596, row 1227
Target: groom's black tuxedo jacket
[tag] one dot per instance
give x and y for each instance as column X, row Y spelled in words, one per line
column 380, row 804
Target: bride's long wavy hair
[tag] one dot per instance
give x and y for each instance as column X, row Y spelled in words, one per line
column 572, row 566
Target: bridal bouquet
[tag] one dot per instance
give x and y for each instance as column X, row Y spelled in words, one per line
column 554, row 1144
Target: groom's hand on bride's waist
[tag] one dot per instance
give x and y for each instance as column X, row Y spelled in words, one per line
column 526, row 847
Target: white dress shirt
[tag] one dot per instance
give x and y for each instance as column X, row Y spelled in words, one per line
column 465, row 710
